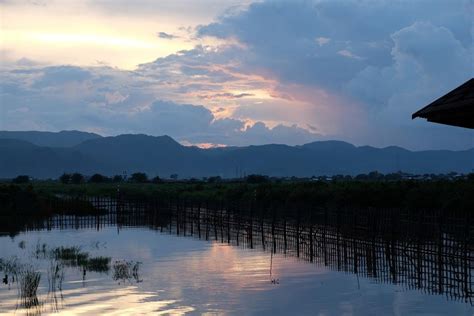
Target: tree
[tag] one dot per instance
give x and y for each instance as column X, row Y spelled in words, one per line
column 65, row 178
column 139, row 177
column 77, row 178
column 256, row 178
column 156, row 180
column 214, row 179
column 375, row 175
column 174, row 176
column 21, row 179
column 362, row 177
column 117, row 178
column 98, row 178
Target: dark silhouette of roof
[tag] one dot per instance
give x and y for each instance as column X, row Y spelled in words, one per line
column 454, row 108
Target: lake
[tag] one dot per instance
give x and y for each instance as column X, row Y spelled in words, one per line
column 210, row 262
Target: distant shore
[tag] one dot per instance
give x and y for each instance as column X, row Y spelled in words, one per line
column 438, row 194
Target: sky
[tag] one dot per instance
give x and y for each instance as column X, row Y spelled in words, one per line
column 229, row 72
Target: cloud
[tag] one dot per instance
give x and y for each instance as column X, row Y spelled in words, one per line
column 167, row 36
column 280, row 34
column 189, row 11
column 348, row 54
column 322, row 40
column 111, row 102
column 195, row 124
column 427, row 60
column 272, row 71
column 225, row 95
column 259, row 133
column 60, row 75
column 384, row 57
column 41, row 3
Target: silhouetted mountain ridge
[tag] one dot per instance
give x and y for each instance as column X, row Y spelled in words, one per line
column 50, row 139
column 163, row 156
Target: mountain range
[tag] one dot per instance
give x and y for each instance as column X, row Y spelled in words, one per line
column 49, row 154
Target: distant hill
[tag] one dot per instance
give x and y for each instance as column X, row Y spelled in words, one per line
column 50, row 139
column 163, row 156
column 21, row 157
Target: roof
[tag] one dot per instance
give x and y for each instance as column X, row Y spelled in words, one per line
column 454, row 108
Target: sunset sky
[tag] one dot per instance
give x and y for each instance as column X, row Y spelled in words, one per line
column 229, row 72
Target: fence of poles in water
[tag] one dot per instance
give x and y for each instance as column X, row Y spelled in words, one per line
column 419, row 249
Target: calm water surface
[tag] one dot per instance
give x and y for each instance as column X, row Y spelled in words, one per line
column 185, row 275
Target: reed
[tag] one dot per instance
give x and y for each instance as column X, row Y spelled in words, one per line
column 29, row 280
column 71, row 256
column 55, row 276
column 98, row 264
column 126, row 271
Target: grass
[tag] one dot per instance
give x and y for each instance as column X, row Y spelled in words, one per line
column 126, row 270
column 41, row 250
column 10, row 266
column 55, row 276
column 29, row 280
column 98, row 264
column 75, row 257
column 71, row 256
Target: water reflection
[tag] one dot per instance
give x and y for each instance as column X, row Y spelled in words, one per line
column 100, row 301
column 432, row 251
column 427, row 251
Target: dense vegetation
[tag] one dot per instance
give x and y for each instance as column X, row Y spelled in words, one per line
column 21, row 205
column 339, row 193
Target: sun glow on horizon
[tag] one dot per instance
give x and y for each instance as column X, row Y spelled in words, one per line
column 95, row 39
column 87, row 48
column 79, row 33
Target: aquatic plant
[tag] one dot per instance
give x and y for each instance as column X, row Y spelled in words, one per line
column 10, row 266
column 126, row 270
column 71, row 256
column 22, row 244
column 55, row 276
column 74, row 257
column 29, row 280
column 55, row 280
column 41, row 250
column 98, row 264
column 135, row 274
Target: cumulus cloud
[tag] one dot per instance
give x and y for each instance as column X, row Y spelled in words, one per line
column 59, row 75
column 111, row 102
column 427, row 60
column 353, row 70
column 281, row 34
column 387, row 57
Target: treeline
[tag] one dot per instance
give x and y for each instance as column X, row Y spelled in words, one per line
column 407, row 194
column 452, row 194
column 77, row 178
column 19, row 200
column 22, row 204
column 141, row 177
column 26, row 201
